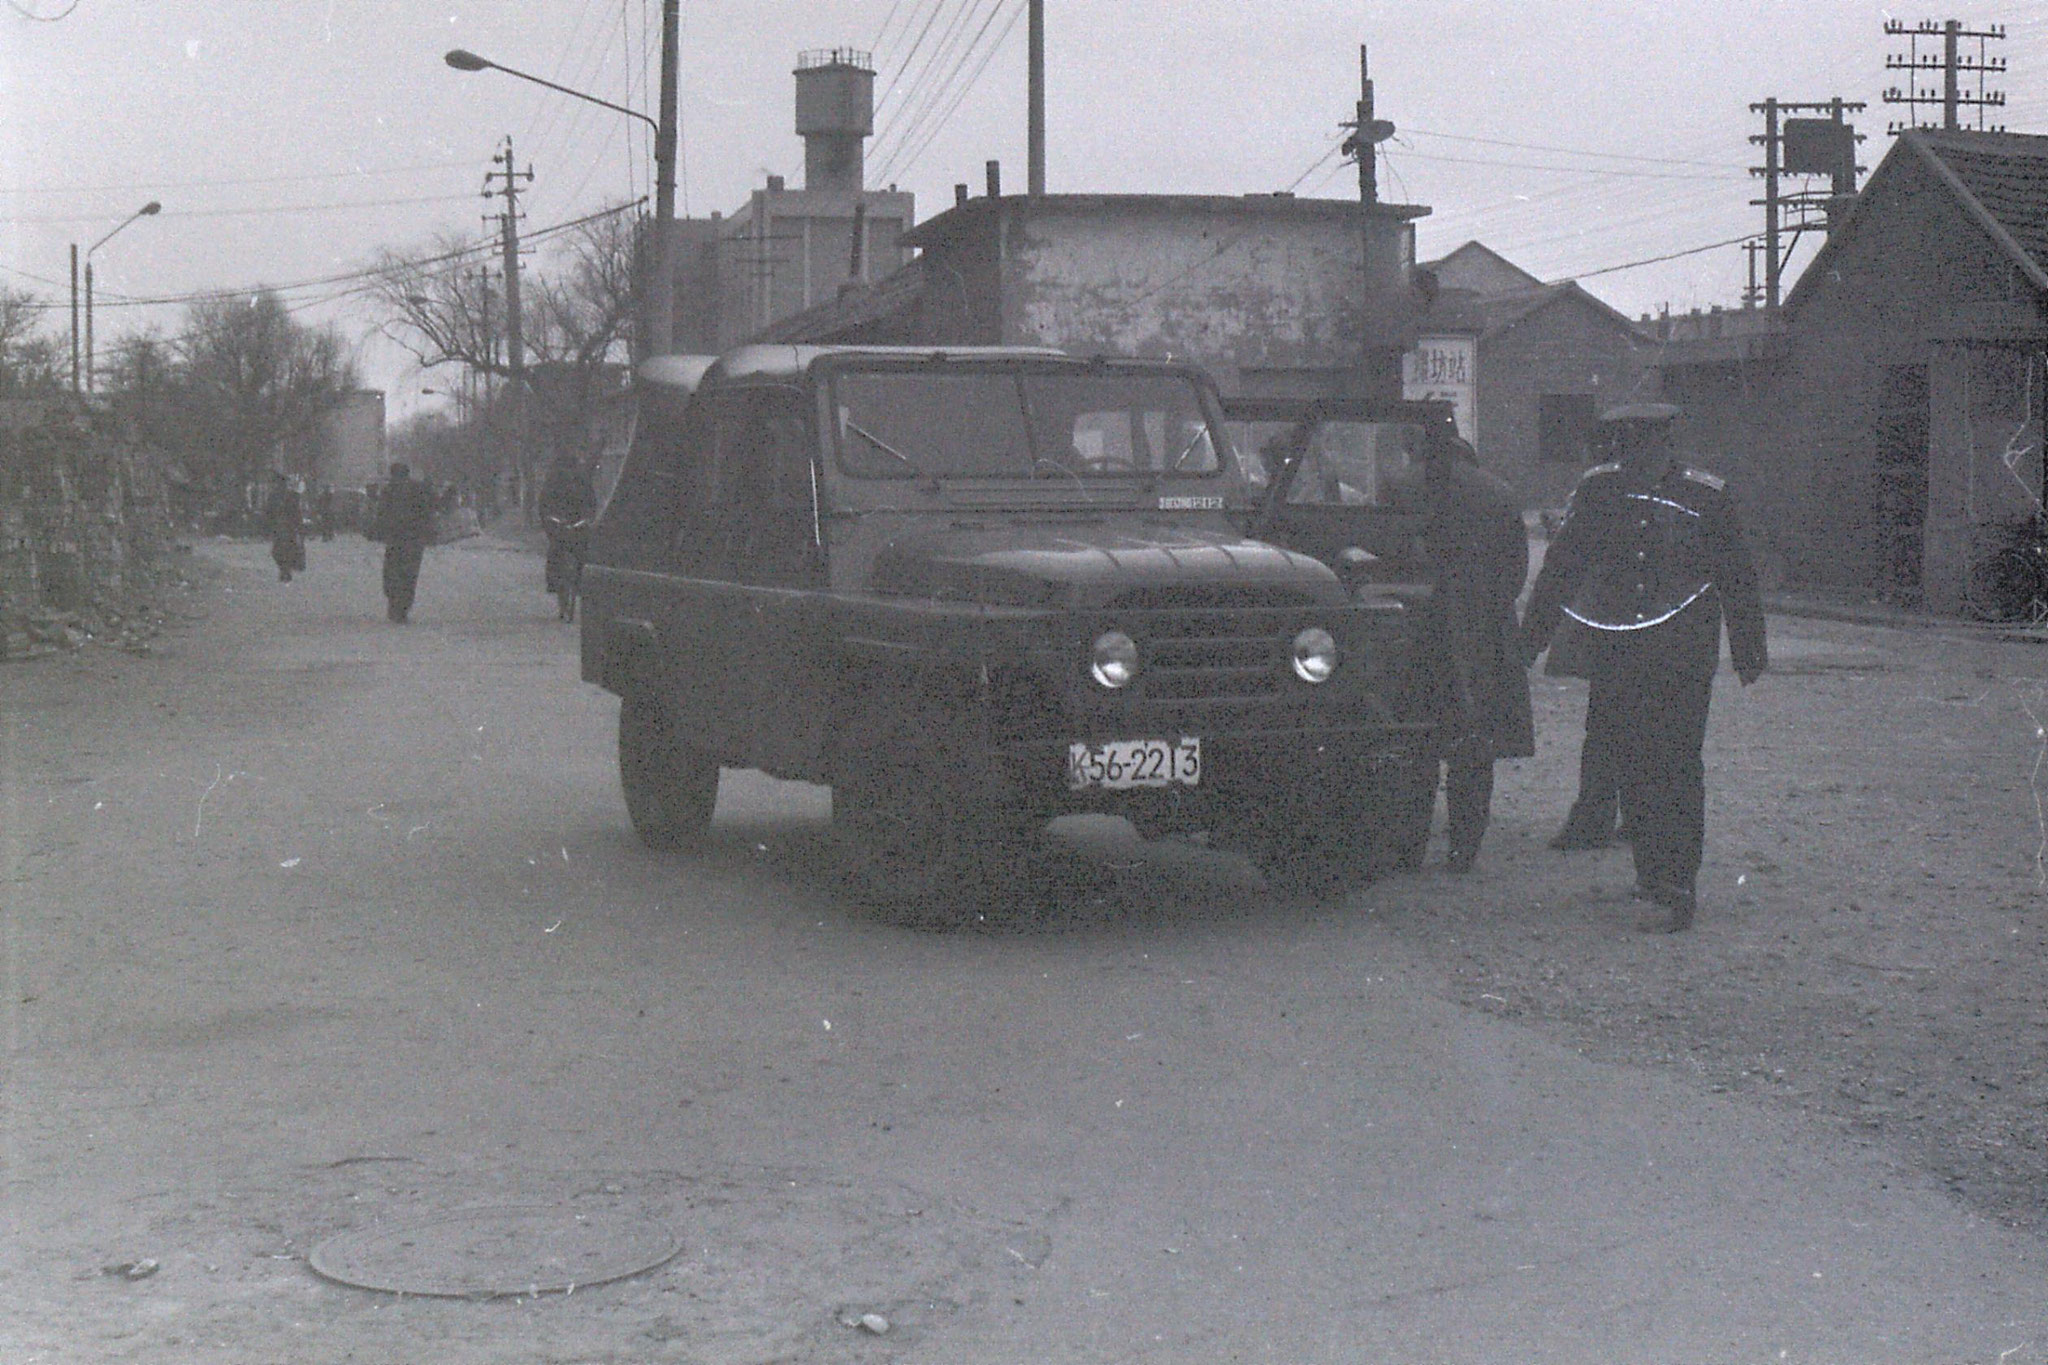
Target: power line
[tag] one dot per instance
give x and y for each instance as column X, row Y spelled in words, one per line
column 140, row 186
column 904, row 162
column 255, row 212
column 1655, row 260
column 1569, row 151
column 1729, row 174
column 926, row 89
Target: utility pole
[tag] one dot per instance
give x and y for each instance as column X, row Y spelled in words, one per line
column 1797, row 144
column 1034, row 176
column 662, row 297
column 1953, row 64
column 515, row 335
column 75, row 378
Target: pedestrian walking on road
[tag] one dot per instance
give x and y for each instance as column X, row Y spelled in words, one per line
column 1652, row 558
column 323, row 511
column 1474, row 534
column 284, row 517
column 405, row 523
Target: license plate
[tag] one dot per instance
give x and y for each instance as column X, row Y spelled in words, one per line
column 1124, row 764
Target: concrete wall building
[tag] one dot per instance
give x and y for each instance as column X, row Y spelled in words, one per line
column 1272, row 294
column 786, row 249
column 1891, row 425
column 348, row 451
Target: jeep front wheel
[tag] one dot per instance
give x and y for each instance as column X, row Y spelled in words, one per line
column 671, row 785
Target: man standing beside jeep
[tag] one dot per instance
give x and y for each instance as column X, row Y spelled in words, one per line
column 1652, row 559
column 1475, row 536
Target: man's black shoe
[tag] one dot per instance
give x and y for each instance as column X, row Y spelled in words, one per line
column 1569, row 840
column 1678, row 905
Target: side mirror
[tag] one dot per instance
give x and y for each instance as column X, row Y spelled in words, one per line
column 1354, row 565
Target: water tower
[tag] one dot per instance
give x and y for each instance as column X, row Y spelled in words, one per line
column 835, row 114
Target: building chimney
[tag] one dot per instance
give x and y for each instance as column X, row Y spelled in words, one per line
column 835, row 114
column 995, row 179
column 959, row 195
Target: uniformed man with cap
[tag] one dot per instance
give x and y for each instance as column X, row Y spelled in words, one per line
column 1652, row 559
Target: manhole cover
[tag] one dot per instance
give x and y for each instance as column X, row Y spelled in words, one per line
column 486, row 1253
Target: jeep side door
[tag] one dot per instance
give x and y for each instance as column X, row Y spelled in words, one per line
column 766, row 488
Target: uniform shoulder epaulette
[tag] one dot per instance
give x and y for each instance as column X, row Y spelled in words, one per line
column 1713, row 481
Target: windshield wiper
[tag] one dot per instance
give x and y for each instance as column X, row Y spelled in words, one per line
column 879, row 444
column 1201, row 434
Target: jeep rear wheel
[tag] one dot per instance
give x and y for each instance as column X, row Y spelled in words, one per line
column 671, row 785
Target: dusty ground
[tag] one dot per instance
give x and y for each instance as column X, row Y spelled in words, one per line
column 379, row 985
column 1873, row 946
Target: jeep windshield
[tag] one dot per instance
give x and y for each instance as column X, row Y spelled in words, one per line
column 983, row 423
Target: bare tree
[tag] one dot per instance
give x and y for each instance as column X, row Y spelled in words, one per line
column 445, row 307
column 30, row 362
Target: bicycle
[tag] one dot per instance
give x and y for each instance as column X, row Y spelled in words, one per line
column 567, row 541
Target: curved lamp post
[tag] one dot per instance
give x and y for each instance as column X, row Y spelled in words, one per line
column 664, row 160
column 463, row 60
column 147, row 210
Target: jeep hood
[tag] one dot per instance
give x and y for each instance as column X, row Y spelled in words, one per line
column 1083, row 565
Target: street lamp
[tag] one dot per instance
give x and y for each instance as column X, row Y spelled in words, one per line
column 661, row 305
column 147, row 210
column 463, row 60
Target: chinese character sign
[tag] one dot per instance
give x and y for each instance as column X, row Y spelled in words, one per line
column 1446, row 369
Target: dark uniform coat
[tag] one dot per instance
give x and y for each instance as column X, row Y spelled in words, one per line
column 1654, row 567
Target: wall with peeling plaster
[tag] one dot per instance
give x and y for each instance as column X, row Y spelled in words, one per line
column 84, row 522
column 1271, row 295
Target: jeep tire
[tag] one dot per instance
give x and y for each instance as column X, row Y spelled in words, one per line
column 671, row 786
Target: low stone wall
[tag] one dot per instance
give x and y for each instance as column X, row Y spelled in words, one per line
column 85, row 527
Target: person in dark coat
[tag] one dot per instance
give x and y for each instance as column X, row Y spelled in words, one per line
column 284, row 517
column 405, row 523
column 323, row 511
column 568, row 501
column 1474, row 535
column 1652, row 558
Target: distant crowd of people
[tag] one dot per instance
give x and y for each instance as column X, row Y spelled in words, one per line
column 407, row 515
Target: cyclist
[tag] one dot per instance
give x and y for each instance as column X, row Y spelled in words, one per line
column 568, row 501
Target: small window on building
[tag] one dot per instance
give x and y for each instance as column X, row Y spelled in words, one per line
column 1564, row 428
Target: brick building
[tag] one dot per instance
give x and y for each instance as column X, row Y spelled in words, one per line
column 1891, row 423
column 1527, row 366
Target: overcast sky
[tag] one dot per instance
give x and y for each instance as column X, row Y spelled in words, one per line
column 289, row 140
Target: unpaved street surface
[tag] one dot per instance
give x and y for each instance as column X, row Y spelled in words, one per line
column 318, row 928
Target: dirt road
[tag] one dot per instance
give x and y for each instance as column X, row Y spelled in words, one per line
column 327, row 938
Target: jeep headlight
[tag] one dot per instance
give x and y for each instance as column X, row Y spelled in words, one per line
column 1115, row 660
column 1315, row 655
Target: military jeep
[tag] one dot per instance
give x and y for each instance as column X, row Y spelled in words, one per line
column 973, row 589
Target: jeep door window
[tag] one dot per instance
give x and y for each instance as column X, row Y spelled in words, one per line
column 766, row 489
column 645, row 510
column 1120, row 425
column 912, row 424
column 1334, row 463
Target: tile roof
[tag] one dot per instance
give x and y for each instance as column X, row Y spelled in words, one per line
column 2006, row 174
